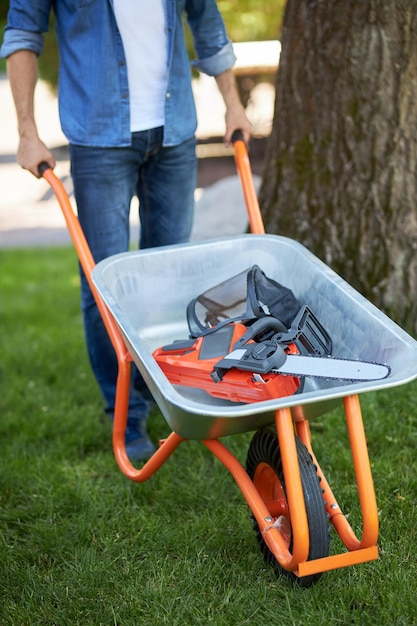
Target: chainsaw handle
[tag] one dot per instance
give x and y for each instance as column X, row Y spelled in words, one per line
column 262, row 324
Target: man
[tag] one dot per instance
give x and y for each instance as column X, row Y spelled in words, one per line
column 126, row 107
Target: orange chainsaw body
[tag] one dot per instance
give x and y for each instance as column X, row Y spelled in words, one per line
column 190, row 363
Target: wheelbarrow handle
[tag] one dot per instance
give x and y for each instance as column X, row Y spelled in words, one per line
column 84, row 255
column 237, row 136
column 42, row 167
column 246, row 178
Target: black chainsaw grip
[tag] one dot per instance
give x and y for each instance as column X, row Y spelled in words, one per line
column 42, row 167
column 262, row 324
column 237, row 136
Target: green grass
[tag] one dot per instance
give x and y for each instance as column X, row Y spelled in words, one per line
column 81, row 544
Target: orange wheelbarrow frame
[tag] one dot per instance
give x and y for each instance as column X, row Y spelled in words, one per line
column 289, row 422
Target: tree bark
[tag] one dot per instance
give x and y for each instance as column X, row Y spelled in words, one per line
column 340, row 174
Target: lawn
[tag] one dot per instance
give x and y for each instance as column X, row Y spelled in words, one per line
column 81, row 545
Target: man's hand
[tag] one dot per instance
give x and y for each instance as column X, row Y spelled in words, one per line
column 22, row 68
column 31, row 152
column 236, row 118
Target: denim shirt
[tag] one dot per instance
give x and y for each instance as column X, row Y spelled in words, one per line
column 93, row 85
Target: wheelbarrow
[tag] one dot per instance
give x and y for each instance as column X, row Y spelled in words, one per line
column 142, row 297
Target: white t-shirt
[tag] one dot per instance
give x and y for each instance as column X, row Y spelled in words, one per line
column 142, row 28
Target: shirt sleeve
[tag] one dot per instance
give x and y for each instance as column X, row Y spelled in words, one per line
column 16, row 39
column 212, row 45
column 26, row 23
column 217, row 63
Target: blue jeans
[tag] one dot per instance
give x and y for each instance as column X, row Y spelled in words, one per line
column 105, row 180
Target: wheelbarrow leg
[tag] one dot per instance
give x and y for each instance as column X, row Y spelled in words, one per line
column 362, row 467
column 363, row 473
column 295, row 496
column 119, row 428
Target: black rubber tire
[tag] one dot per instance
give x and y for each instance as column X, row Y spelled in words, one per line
column 264, row 466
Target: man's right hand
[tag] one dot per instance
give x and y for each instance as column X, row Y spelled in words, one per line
column 31, row 152
column 22, row 69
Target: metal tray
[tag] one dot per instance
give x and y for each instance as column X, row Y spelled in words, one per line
column 147, row 293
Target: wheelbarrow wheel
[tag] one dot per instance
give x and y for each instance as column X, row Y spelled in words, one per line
column 264, row 466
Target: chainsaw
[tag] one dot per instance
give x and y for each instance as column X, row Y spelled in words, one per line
column 261, row 361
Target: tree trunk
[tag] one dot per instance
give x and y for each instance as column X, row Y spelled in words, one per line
column 340, row 173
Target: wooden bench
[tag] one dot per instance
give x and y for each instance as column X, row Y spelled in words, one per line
column 257, row 61
column 256, row 57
